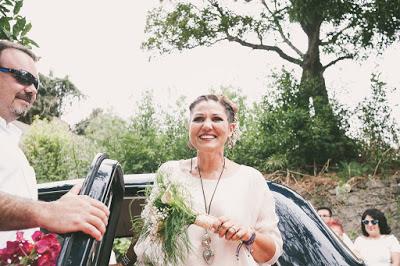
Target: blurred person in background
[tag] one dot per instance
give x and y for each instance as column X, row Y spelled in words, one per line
column 337, row 228
column 325, row 213
column 377, row 247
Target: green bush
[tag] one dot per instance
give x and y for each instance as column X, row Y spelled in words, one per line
column 55, row 153
column 174, row 131
column 107, row 132
column 146, row 140
column 281, row 132
column 379, row 133
column 348, row 170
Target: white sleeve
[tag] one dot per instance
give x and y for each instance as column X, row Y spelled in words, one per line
column 357, row 243
column 394, row 244
column 267, row 220
column 346, row 239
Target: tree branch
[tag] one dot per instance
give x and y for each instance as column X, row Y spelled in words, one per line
column 280, row 30
column 216, row 5
column 261, row 46
column 276, row 49
column 349, row 56
column 335, row 36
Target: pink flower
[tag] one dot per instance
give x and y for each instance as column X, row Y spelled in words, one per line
column 20, row 236
column 37, row 235
column 43, row 252
column 46, row 260
column 48, row 248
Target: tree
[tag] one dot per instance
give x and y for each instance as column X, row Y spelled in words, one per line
column 334, row 29
column 383, row 17
column 379, row 133
column 293, row 136
column 144, row 138
column 53, row 94
column 106, row 131
column 81, row 126
column 13, row 26
column 174, row 131
column 139, row 144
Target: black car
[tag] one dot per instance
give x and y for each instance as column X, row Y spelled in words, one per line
column 307, row 240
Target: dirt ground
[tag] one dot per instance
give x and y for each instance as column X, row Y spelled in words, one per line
column 349, row 200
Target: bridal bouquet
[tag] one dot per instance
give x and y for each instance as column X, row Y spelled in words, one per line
column 166, row 217
column 42, row 252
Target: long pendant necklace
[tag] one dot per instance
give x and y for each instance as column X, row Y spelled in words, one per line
column 208, row 253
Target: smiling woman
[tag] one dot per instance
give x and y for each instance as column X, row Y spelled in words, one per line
column 377, row 247
column 221, row 188
column 212, row 123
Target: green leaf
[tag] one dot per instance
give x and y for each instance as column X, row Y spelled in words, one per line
column 4, row 10
column 17, row 7
column 5, row 23
column 7, row 35
column 19, row 27
column 8, row 3
column 27, row 28
column 13, row 26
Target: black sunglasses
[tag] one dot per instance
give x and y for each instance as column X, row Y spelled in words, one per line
column 23, row 77
column 373, row 222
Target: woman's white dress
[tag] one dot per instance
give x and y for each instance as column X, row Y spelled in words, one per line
column 244, row 197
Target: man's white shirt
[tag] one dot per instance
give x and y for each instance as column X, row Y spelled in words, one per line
column 17, row 177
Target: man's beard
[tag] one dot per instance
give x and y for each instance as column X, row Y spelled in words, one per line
column 21, row 111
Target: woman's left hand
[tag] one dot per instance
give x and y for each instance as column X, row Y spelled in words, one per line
column 227, row 228
column 263, row 247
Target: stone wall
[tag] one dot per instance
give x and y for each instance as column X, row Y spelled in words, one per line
column 350, row 200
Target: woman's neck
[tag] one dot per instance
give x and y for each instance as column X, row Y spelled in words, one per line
column 209, row 165
column 375, row 236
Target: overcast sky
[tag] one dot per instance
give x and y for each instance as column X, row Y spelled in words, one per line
column 97, row 44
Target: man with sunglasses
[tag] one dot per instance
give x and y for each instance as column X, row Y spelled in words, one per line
column 19, row 207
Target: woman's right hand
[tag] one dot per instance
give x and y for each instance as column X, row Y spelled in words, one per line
column 227, row 228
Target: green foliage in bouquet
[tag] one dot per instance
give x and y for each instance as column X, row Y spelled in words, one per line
column 166, row 217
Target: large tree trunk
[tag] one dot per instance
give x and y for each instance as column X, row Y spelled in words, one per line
column 312, row 79
column 333, row 143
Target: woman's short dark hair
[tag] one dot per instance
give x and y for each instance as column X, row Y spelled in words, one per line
column 376, row 215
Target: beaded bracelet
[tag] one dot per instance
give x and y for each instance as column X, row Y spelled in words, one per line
column 248, row 243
